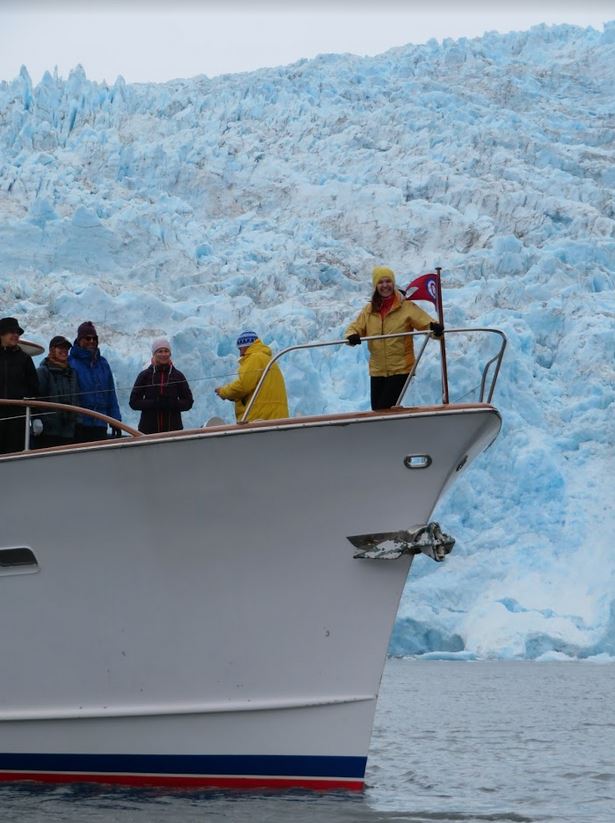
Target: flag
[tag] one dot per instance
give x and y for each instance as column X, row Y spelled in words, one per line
column 424, row 287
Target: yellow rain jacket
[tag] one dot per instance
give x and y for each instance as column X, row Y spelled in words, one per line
column 394, row 356
column 271, row 402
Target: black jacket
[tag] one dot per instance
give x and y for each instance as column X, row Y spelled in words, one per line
column 60, row 386
column 17, row 377
column 161, row 394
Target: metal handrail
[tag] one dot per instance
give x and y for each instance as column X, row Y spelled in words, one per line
column 48, row 404
column 497, row 358
column 428, row 335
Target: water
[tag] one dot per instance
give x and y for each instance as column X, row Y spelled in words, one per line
column 458, row 742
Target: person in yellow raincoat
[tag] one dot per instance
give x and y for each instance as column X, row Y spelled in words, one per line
column 270, row 402
column 390, row 361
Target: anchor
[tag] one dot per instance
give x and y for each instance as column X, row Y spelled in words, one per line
column 428, row 539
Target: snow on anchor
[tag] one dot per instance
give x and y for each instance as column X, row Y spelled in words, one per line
column 428, row 539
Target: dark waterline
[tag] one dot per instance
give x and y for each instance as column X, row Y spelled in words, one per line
column 458, row 742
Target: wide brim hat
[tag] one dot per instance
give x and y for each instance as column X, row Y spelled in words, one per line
column 28, row 347
column 10, row 324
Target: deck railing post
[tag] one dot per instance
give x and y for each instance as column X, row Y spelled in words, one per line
column 442, row 340
column 26, row 439
column 415, row 366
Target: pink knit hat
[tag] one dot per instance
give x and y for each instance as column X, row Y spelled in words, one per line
column 160, row 343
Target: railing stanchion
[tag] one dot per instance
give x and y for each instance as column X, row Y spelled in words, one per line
column 26, row 439
column 442, row 340
column 413, row 372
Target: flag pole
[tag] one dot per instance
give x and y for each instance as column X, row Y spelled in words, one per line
column 442, row 341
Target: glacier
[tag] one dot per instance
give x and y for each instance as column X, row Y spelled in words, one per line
column 196, row 208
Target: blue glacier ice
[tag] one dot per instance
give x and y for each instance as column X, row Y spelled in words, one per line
column 196, row 208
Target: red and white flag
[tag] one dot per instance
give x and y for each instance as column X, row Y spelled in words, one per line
column 424, row 287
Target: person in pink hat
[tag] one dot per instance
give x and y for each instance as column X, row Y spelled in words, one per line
column 161, row 392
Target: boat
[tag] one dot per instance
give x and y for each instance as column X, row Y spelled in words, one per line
column 212, row 607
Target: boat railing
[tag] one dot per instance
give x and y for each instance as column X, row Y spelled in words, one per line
column 489, row 374
column 49, row 407
column 33, row 408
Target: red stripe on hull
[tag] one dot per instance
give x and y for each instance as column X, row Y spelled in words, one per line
column 189, row 781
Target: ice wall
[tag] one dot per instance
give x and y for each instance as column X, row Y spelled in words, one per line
column 200, row 207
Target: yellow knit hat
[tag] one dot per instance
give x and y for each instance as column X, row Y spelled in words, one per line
column 380, row 272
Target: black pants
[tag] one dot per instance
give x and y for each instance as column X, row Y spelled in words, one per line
column 386, row 390
column 85, row 434
column 46, row 441
column 12, row 433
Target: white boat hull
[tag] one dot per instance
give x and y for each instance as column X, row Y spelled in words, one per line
column 197, row 616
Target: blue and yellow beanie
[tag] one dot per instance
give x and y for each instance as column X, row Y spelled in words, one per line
column 246, row 338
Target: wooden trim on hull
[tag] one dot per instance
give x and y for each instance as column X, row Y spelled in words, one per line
column 258, row 425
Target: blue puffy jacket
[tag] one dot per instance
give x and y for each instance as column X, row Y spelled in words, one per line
column 96, row 386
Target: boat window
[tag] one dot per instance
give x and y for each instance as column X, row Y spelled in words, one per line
column 17, row 561
column 417, row 461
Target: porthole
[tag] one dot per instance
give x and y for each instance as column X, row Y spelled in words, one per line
column 417, row 461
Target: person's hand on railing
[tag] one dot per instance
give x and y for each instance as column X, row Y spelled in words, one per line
column 437, row 330
column 354, row 339
column 115, row 432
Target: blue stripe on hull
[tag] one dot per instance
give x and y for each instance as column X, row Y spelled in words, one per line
column 171, row 764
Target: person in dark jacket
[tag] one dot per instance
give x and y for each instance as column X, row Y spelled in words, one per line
column 161, row 392
column 17, row 380
column 58, row 382
column 96, row 385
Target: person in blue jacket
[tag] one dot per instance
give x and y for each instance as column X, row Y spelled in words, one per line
column 96, row 385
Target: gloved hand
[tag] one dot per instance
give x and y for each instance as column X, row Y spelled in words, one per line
column 354, row 339
column 37, row 427
column 115, row 432
column 437, row 329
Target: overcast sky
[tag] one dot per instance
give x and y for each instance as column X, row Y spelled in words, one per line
column 152, row 40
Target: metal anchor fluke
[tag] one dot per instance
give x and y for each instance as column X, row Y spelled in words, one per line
column 428, row 539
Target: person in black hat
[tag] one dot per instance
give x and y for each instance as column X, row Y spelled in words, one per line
column 58, row 383
column 17, row 380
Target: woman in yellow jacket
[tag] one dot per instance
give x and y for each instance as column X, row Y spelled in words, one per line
column 271, row 402
column 390, row 361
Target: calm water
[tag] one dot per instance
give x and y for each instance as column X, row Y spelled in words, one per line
column 452, row 742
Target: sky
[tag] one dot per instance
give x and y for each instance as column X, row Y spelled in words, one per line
column 159, row 40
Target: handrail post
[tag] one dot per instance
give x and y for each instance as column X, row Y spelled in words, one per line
column 26, row 440
column 415, row 366
column 442, row 341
